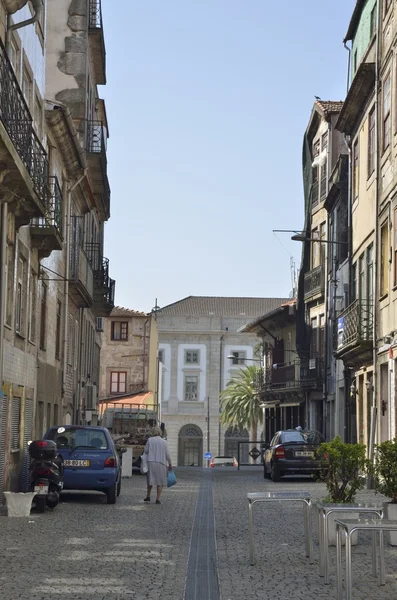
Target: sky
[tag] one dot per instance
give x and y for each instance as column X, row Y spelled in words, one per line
column 207, row 103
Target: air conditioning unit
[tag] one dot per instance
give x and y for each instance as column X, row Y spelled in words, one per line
column 90, row 397
column 99, row 324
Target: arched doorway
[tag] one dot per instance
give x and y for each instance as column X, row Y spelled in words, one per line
column 233, row 436
column 190, row 453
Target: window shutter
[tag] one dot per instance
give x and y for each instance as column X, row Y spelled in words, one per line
column 3, row 423
column 15, row 423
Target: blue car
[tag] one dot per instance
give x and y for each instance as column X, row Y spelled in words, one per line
column 90, row 459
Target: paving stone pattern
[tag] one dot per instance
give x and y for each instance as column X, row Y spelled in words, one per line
column 88, row 550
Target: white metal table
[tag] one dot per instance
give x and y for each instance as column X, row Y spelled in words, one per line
column 324, row 510
column 348, row 527
column 254, row 497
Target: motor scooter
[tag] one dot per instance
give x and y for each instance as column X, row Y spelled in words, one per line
column 46, row 473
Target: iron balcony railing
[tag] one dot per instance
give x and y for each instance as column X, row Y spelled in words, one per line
column 307, row 373
column 95, row 14
column 100, row 267
column 53, row 207
column 17, row 120
column 354, row 325
column 95, row 137
column 314, row 281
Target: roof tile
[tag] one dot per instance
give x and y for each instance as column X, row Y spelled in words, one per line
column 221, row 306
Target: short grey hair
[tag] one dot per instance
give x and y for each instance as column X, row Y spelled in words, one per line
column 155, row 431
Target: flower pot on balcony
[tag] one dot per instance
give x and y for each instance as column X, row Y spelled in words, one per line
column 19, row 504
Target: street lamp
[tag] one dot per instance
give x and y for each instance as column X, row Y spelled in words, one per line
column 301, row 237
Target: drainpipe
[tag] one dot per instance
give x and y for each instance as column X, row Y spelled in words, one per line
column 37, row 6
column 371, row 445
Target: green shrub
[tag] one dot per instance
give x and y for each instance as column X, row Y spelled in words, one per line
column 385, row 469
column 343, row 467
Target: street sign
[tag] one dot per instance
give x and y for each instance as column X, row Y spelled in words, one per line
column 255, row 453
column 208, row 455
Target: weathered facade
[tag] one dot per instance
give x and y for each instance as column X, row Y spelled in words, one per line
column 197, row 337
column 129, row 361
column 54, row 280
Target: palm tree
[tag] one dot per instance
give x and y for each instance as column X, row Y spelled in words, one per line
column 240, row 401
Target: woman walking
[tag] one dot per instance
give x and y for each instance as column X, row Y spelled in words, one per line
column 158, row 456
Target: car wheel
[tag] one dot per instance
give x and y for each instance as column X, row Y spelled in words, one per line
column 112, row 494
column 119, row 488
column 275, row 474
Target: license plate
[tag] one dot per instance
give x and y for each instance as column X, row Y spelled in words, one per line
column 41, row 489
column 77, row 463
column 304, row 454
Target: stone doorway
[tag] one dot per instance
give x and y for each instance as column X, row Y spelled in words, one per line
column 190, row 452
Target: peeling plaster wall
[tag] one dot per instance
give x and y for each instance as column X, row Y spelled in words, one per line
column 67, row 46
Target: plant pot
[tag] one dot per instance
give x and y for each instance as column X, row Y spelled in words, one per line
column 19, row 504
column 332, row 527
column 391, row 514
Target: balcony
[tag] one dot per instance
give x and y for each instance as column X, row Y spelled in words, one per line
column 46, row 232
column 104, row 286
column 23, row 160
column 96, row 137
column 81, row 278
column 97, row 41
column 354, row 334
column 314, row 282
column 307, row 374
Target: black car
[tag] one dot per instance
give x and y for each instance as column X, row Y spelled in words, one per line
column 292, row 452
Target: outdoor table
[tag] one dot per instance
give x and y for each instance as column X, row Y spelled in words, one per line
column 254, row 497
column 349, row 526
column 324, row 510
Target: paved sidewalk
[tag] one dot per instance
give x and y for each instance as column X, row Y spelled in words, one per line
column 88, row 550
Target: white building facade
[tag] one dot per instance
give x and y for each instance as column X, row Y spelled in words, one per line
column 197, row 335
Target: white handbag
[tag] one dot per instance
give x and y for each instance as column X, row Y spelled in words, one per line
column 144, row 467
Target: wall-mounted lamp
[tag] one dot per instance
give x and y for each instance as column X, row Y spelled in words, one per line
column 353, row 389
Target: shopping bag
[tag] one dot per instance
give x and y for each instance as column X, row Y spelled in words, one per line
column 171, row 479
column 144, row 467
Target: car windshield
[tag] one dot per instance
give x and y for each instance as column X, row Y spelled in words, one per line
column 302, row 437
column 74, row 437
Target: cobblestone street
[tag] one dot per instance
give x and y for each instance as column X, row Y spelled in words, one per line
column 86, row 549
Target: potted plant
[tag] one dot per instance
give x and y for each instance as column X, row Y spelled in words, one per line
column 384, row 472
column 343, row 469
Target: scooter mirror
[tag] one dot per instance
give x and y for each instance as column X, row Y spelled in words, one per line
column 29, row 442
column 60, row 430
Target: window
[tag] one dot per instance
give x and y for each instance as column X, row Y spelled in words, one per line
column 355, row 169
column 354, row 282
column 371, row 142
column 322, row 245
column 40, row 25
column 15, row 423
column 321, row 337
column 315, row 249
column 323, row 181
column 314, row 338
column 192, row 357
column 324, row 142
column 32, row 307
column 384, row 258
column 314, row 186
column 191, row 388
column 43, row 316
column 386, row 111
column 238, row 358
column 316, row 148
column 27, row 85
column 20, row 303
column 119, row 330
column 58, row 331
column 15, row 56
column 10, row 283
column 161, row 356
column 118, row 382
column 361, row 277
column 395, row 245
column 372, row 23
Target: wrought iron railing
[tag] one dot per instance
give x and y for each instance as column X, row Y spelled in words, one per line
column 100, row 267
column 308, row 373
column 95, row 14
column 354, row 324
column 95, row 137
column 16, row 118
column 53, row 207
column 314, row 281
